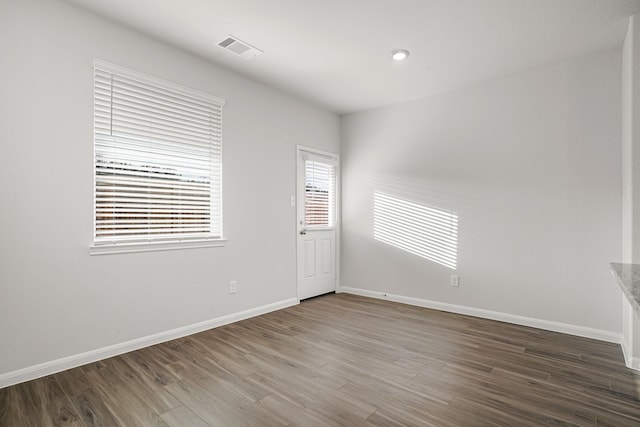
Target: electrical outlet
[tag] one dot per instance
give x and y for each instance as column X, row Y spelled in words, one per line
column 233, row 287
column 455, row 280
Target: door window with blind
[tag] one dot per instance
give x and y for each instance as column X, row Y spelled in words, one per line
column 157, row 164
column 319, row 193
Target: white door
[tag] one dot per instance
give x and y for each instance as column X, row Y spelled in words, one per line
column 317, row 222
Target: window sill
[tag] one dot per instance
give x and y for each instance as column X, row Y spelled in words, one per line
column 125, row 247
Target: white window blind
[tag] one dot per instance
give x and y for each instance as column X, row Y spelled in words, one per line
column 320, row 193
column 158, row 159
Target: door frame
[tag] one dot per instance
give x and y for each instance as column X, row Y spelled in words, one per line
column 300, row 209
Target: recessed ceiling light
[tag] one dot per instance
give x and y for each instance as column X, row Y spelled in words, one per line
column 399, row 55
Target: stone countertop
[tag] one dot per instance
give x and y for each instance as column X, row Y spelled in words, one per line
column 628, row 277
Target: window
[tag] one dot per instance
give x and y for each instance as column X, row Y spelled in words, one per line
column 158, row 163
column 319, row 194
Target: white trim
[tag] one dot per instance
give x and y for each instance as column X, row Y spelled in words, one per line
column 321, row 227
column 300, row 209
column 187, row 99
column 118, row 69
column 629, row 360
column 548, row 325
column 322, row 153
column 48, row 368
column 151, row 246
column 330, row 159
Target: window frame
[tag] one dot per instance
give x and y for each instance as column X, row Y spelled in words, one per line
column 332, row 210
column 142, row 242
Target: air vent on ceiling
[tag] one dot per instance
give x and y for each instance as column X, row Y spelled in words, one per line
column 239, row 47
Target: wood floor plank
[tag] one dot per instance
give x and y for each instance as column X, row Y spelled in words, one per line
column 144, row 382
column 145, row 365
column 124, row 400
column 344, row 360
column 72, row 381
column 93, row 410
column 43, row 403
column 290, row 413
column 218, row 405
column 182, row 416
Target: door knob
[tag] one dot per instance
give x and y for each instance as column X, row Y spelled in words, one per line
column 303, row 231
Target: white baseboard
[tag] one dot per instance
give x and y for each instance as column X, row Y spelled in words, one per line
column 629, row 360
column 48, row 368
column 564, row 328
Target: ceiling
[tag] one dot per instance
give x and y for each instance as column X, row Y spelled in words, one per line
column 336, row 53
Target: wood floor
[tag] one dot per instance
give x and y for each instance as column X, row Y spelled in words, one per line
column 343, row 360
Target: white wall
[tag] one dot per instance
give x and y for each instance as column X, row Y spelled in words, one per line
column 55, row 299
column 531, row 165
column 627, row 146
column 631, row 183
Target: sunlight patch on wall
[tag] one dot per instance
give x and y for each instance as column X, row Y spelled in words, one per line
column 418, row 229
